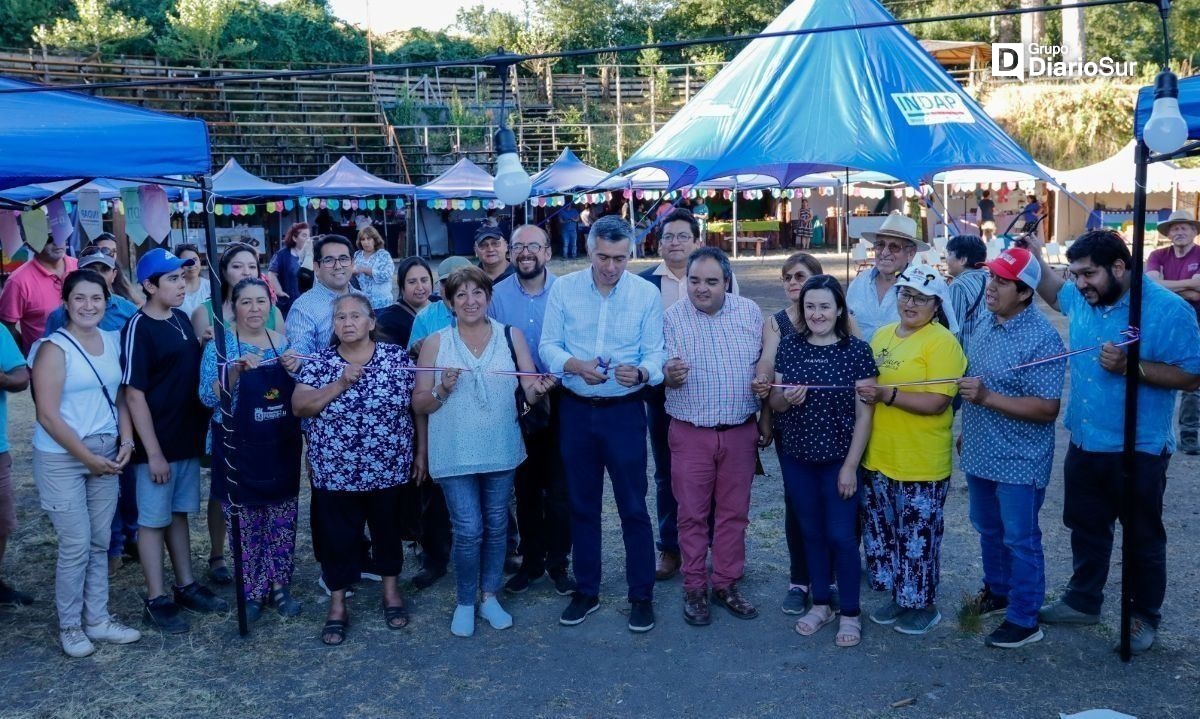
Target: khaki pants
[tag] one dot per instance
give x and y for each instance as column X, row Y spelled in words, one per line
column 81, row 507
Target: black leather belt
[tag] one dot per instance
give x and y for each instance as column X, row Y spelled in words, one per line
column 635, row 396
column 721, row 427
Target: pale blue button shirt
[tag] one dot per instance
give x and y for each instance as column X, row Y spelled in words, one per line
column 869, row 311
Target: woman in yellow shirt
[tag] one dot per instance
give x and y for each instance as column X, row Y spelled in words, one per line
column 908, row 460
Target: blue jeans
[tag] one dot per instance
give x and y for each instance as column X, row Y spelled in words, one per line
column 664, row 499
column 1006, row 517
column 829, row 525
column 593, row 439
column 478, row 505
column 125, row 519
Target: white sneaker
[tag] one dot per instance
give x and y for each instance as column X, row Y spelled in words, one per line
column 113, row 632
column 75, row 643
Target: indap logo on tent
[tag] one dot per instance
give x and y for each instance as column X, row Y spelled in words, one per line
column 1012, row 59
column 932, row 108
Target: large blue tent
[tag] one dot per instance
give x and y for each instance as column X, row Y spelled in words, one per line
column 567, row 174
column 346, row 179
column 69, row 190
column 867, row 99
column 234, row 182
column 48, row 136
column 464, row 180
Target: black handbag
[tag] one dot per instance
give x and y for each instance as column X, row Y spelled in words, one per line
column 533, row 418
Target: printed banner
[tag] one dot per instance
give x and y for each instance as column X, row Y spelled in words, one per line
column 90, row 219
column 133, row 215
column 156, row 212
column 61, row 227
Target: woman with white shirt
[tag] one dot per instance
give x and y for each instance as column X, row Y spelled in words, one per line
column 83, row 438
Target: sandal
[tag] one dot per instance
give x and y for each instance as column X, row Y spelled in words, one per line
column 334, row 631
column 849, row 632
column 395, row 617
column 817, row 617
column 219, row 575
column 283, row 602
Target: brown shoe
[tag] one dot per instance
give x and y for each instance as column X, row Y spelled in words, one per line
column 731, row 598
column 668, row 566
column 695, row 608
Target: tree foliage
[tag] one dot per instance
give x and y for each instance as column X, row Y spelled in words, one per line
column 199, row 31
column 96, row 28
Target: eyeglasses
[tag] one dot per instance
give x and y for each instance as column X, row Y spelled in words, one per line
column 107, row 251
column 534, row 247
column 916, row 299
column 340, row 261
column 891, row 247
column 672, row 239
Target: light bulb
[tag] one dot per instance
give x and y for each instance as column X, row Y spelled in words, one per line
column 1167, row 130
column 512, row 182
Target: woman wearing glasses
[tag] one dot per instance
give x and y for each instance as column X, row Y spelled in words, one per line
column 106, row 243
column 908, row 460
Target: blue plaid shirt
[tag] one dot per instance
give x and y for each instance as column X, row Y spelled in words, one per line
column 626, row 327
column 1096, row 408
column 310, row 320
column 996, row 446
column 511, row 305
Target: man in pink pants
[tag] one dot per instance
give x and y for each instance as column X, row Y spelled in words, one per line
column 713, row 341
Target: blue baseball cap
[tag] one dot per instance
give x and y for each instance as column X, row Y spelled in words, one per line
column 159, row 261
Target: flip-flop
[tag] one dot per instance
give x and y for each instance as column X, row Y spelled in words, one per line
column 392, row 614
column 812, row 622
column 335, row 628
column 849, row 632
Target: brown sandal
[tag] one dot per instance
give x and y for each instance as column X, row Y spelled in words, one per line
column 849, row 632
column 812, row 622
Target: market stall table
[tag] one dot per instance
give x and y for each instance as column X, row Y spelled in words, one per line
column 755, row 232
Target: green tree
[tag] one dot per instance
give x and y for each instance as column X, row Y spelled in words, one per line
column 199, row 32
column 96, row 28
column 490, row 29
column 22, row 16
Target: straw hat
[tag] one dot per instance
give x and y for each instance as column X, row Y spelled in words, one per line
column 900, row 226
column 1178, row 217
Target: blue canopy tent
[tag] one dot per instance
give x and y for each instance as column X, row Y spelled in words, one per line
column 566, row 175
column 234, row 182
column 48, row 136
column 68, row 190
column 346, row 179
column 464, row 180
column 869, row 99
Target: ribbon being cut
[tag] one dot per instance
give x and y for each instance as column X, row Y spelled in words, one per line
column 1131, row 335
column 506, row 373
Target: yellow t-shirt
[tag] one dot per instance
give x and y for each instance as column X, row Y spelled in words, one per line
column 907, row 446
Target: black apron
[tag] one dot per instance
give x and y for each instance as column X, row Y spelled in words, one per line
column 265, row 443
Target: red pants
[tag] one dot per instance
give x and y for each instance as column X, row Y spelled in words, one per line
column 711, row 472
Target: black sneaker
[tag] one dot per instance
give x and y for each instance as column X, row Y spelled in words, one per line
column 512, row 564
column 578, row 609
column 520, row 583
column 162, row 613
column 13, row 597
column 1011, row 636
column 989, row 604
column 563, row 584
column 425, row 578
column 198, row 598
column 641, row 615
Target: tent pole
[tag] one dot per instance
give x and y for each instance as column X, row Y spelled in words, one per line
column 946, row 207
column 735, row 216
column 226, row 406
column 1132, row 381
column 843, row 222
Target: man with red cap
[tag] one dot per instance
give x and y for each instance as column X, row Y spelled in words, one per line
column 1007, row 443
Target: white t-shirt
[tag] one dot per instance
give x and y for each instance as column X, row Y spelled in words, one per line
column 83, row 405
column 194, row 299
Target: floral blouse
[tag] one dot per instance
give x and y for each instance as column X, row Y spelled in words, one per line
column 377, row 286
column 363, row 439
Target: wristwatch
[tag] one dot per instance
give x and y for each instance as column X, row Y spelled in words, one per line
column 643, row 376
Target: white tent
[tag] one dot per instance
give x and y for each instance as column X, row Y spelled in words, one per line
column 1115, row 174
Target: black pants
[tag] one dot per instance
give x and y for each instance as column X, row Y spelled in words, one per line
column 340, row 518
column 543, row 507
column 798, row 569
column 435, row 528
column 1091, row 506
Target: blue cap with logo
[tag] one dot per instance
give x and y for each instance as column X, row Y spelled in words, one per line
column 159, row 261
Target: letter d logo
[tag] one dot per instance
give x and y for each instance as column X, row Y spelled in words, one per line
column 1008, row 60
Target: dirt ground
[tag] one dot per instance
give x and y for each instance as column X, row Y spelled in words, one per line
column 540, row 669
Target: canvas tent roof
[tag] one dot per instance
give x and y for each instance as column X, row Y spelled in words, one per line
column 868, row 99
column 234, row 182
column 464, row 180
column 567, row 174
column 346, row 178
column 1115, row 174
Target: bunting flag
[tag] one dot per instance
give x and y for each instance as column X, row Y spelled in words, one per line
column 61, row 227
column 90, row 219
column 133, row 215
column 37, row 230
column 156, row 212
column 10, row 233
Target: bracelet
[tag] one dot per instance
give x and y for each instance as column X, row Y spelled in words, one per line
column 127, row 443
column 640, row 372
column 438, row 397
column 889, row 400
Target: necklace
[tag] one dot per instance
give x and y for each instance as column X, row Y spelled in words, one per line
column 173, row 323
column 476, row 349
column 897, row 340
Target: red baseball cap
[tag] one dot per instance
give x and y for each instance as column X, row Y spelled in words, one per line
column 1017, row 263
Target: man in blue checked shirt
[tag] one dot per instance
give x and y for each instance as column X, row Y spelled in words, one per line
column 1097, row 306
column 603, row 328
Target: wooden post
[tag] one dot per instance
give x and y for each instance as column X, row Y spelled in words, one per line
column 620, row 130
column 687, row 83
column 653, row 96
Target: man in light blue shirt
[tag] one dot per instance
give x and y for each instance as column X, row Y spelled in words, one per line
column 310, row 320
column 1097, row 306
column 604, row 328
column 871, row 297
column 543, row 508
column 436, row 315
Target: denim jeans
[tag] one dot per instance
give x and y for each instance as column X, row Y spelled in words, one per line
column 664, row 499
column 125, row 519
column 478, row 505
column 1010, row 540
column 1189, row 421
column 829, row 525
